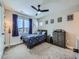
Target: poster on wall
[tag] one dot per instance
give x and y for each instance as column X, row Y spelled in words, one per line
column 70, row 17
column 59, row 19
column 52, row 21
column 46, row 22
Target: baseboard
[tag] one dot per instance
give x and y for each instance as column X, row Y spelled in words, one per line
column 10, row 46
column 69, row 47
column 7, row 45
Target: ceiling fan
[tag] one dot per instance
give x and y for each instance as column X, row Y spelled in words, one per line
column 39, row 10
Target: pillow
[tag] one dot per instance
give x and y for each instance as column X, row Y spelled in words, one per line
column 43, row 33
column 39, row 32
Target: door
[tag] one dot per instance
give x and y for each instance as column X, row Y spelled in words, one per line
column 1, row 31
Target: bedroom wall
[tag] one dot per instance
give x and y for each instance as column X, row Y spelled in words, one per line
column 8, row 21
column 71, row 27
column 1, row 29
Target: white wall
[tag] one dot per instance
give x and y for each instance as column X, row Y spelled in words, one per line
column 35, row 25
column 71, row 27
column 1, row 30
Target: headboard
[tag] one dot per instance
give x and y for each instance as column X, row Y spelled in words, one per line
column 44, row 31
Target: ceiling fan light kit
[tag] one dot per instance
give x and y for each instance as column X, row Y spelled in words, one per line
column 38, row 12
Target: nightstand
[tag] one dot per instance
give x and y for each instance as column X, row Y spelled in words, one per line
column 49, row 39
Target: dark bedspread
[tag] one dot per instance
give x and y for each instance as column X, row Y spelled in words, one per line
column 33, row 39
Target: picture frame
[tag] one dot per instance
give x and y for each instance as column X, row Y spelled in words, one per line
column 70, row 17
column 52, row 21
column 59, row 19
column 46, row 22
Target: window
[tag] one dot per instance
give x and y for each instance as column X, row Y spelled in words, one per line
column 23, row 25
column 20, row 25
column 26, row 25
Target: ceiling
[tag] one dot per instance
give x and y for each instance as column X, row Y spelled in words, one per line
column 24, row 6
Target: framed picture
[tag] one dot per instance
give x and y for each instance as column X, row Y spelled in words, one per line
column 60, row 19
column 70, row 17
column 52, row 21
column 46, row 22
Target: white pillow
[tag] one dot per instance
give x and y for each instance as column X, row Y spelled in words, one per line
column 43, row 33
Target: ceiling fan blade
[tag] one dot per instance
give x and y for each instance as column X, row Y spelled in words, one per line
column 34, row 8
column 44, row 10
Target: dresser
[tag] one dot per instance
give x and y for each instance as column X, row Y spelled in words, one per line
column 59, row 38
column 49, row 39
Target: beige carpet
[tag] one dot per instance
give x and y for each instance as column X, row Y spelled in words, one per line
column 13, row 41
column 42, row 51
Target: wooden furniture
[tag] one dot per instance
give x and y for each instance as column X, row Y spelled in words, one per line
column 59, row 38
column 49, row 39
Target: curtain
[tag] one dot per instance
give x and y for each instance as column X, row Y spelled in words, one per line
column 30, row 26
column 15, row 26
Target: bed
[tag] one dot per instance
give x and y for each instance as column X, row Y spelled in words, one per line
column 33, row 39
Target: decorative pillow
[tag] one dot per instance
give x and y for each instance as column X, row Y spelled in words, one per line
column 39, row 32
column 43, row 33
